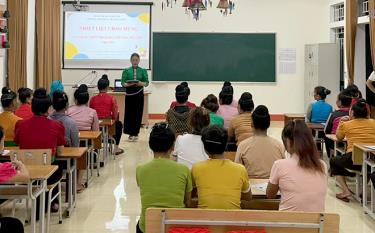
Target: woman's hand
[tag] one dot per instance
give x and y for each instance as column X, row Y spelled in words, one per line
column 140, row 84
column 18, row 165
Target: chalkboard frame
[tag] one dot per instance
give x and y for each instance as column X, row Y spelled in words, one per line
column 214, row 82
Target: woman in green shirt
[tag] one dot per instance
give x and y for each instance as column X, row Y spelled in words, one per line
column 211, row 103
column 134, row 79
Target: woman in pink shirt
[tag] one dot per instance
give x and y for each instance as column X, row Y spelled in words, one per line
column 302, row 178
column 228, row 110
column 85, row 117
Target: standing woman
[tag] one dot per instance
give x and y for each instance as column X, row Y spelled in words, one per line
column 134, row 79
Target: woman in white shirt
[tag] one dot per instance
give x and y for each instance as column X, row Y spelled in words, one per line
column 189, row 148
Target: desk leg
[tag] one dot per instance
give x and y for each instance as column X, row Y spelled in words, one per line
column 33, row 213
column 42, row 208
column 364, row 176
column 74, row 182
column 372, row 193
column 88, row 156
column 70, row 185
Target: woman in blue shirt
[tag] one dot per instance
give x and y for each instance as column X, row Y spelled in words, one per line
column 319, row 111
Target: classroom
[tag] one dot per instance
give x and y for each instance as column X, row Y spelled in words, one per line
column 187, row 116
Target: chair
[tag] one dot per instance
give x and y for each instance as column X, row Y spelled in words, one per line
column 41, row 157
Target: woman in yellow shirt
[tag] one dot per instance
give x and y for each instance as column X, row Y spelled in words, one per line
column 356, row 128
column 221, row 183
column 8, row 119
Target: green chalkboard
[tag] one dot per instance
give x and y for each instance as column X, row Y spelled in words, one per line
column 212, row 57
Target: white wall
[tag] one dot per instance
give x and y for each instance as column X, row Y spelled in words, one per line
column 296, row 22
column 360, row 59
column 31, row 45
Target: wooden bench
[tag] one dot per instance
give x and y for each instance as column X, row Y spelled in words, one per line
column 222, row 221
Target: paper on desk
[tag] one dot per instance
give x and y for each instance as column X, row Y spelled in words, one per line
column 370, row 147
column 5, row 152
column 262, row 187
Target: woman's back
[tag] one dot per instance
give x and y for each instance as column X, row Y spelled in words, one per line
column 228, row 112
column 190, row 150
column 301, row 189
column 86, row 118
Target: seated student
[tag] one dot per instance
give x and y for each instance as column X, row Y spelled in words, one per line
column 259, row 152
column 240, row 127
column 189, row 148
column 226, row 109
column 343, row 103
column 356, row 129
column 188, row 103
column 219, row 181
column 8, row 119
column 106, row 107
column 60, row 104
column 85, row 117
column 211, row 104
column 228, row 84
column 162, row 182
column 39, row 132
column 24, row 110
column 301, row 179
column 11, row 172
column 318, row 111
column 178, row 116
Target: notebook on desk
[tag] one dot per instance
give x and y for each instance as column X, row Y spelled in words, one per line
column 118, row 86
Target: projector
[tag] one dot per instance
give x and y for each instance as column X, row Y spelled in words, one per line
column 80, row 7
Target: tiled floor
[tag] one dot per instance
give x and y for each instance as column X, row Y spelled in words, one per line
column 112, row 203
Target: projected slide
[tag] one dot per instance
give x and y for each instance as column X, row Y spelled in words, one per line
column 106, row 40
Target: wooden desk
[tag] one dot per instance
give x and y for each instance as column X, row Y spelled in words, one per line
column 69, row 155
column 32, row 191
column 222, row 221
column 260, row 200
column 120, row 98
column 360, row 155
column 291, row 116
column 42, row 172
column 89, row 135
column 315, row 126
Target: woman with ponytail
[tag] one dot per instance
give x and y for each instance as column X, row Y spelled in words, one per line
column 319, row 111
column 240, row 128
column 357, row 128
column 302, row 178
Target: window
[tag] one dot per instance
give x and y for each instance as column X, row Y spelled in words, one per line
column 338, row 12
column 339, row 38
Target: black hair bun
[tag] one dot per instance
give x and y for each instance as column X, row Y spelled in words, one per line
column 227, row 84
column 6, row 90
column 20, row 90
column 104, row 76
column 227, row 90
column 184, row 84
column 181, row 90
column 40, row 93
column 362, row 102
column 83, row 88
column 327, row 91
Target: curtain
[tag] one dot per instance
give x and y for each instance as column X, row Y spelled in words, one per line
column 371, row 9
column 48, row 47
column 351, row 20
column 17, row 54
